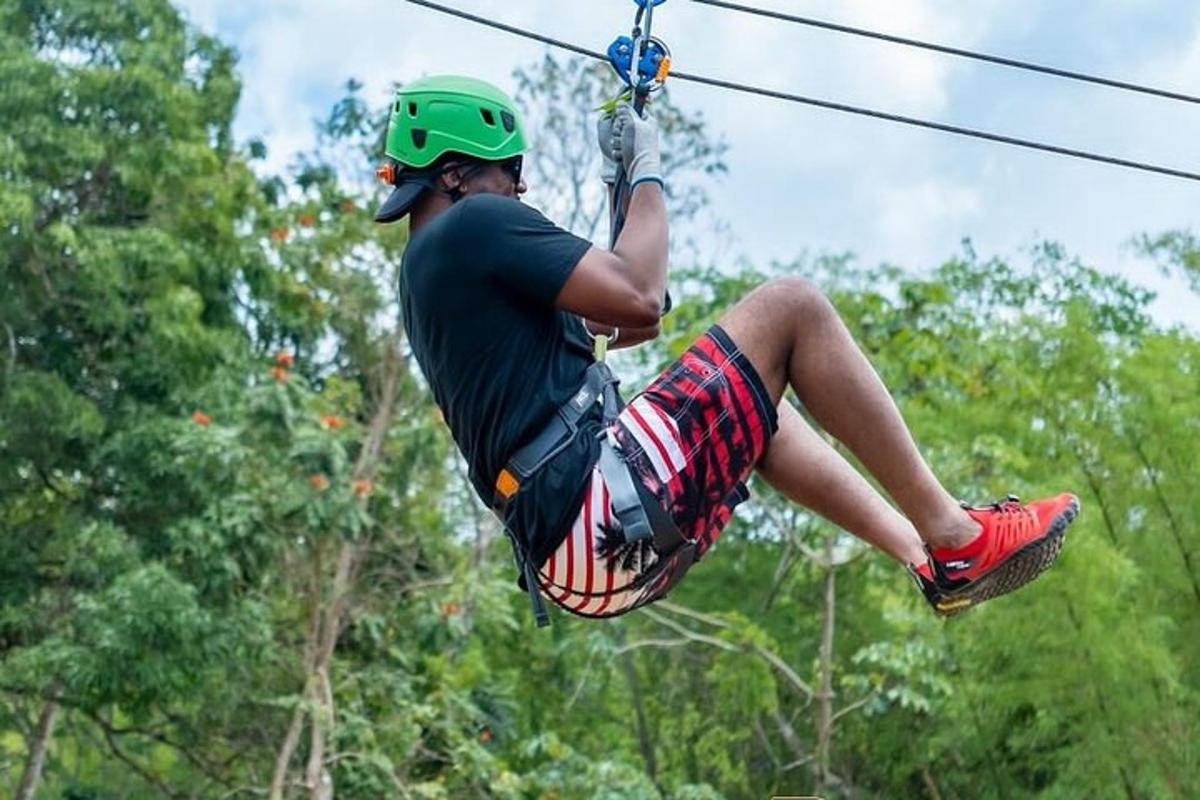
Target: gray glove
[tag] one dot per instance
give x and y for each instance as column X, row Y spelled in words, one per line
column 608, row 159
column 635, row 145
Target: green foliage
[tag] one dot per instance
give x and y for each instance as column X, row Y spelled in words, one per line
column 194, row 376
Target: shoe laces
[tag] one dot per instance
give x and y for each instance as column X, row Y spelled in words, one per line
column 1014, row 520
column 1009, row 505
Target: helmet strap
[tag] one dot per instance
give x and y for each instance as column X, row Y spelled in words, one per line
column 456, row 193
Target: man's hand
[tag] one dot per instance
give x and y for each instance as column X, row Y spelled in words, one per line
column 635, row 144
column 608, row 158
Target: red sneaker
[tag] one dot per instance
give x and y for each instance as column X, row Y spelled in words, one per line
column 1016, row 545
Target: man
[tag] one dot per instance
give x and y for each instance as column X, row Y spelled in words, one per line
column 500, row 307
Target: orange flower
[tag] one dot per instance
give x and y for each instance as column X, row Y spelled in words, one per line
column 285, row 359
column 363, row 488
column 280, row 374
column 200, row 418
column 450, row 609
column 318, row 482
column 279, row 234
column 332, row 421
column 307, row 220
column 485, row 735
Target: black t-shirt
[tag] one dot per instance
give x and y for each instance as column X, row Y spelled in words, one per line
column 477, row 290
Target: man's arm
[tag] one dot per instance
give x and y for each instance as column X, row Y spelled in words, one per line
column 627, row 286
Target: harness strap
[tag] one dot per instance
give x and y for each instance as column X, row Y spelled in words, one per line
column 624, row 497
column 638, row 511
column 598, row 383
column 540, row 614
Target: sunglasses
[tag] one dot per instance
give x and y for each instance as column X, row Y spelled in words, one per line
column 512, row 167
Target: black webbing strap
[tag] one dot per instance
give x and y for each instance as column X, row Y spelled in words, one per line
column 559, row 432
column 540, row 615
column 598, row 384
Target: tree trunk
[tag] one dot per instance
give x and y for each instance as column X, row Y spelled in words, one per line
column 930, row 783
column 643, row 728
column 1098, row 694
column 311, row 641
column 284, row 756
column 350, row 557
column 1165, row 504
column 825, row 666
column 1089, row 474
column 322, row 719
column 36, row 761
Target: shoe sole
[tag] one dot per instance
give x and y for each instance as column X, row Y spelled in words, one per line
column 1018, row 569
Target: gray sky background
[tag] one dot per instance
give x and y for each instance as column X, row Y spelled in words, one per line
column 804, row 180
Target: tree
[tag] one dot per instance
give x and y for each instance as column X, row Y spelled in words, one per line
column 119, row 188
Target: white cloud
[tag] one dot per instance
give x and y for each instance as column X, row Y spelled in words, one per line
column 804, row 178
column 912, row 215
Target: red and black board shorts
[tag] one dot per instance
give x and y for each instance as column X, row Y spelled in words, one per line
column 692, row 437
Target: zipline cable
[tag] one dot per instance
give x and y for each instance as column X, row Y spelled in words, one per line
column 938, row 126
column 826, row 104
column 954, row 51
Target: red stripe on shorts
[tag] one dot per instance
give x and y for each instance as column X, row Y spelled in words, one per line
column 658, row 445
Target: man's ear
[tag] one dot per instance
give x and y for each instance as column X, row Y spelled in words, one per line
column 450, row 178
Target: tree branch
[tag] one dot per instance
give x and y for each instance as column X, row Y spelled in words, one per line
column 650, row 643
column 109, row 737
column 690, row 634
column 771, row 658
column 859, row 703
column 12, row 353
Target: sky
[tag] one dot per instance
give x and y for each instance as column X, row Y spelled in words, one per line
column 810, row 181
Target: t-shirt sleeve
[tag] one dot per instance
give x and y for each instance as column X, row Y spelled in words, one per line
column 519, row 247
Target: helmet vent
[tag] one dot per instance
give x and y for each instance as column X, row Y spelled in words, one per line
column 412, row 109
column 418, row 138
column 510, row 122
column 488, row 116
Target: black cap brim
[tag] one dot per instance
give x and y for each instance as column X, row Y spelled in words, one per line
column 399, row 202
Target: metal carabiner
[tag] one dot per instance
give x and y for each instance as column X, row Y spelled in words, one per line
column 640, row 60
column 643, row 63
column 649, row 72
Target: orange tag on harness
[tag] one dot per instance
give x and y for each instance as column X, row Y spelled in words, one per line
column 507, row 484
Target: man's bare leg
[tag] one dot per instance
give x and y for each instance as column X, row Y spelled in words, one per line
column 793, row 336
column 804, row 468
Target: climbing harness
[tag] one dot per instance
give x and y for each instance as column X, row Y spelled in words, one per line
column 643, row 63
column 637, row 511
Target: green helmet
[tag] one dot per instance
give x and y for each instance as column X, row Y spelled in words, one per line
column 438, row 115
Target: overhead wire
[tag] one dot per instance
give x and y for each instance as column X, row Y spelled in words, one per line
column 954, row 51
column 819, row 103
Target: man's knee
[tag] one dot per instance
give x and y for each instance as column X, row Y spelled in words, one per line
column 769, row 323
column 798, row 297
